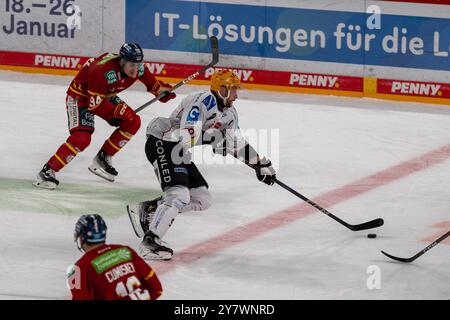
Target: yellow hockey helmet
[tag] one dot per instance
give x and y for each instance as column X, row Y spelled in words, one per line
column 225, row 78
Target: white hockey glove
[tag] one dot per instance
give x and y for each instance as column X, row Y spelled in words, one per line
column 265, row 172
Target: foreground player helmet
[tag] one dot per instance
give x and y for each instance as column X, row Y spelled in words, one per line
column 90, row 229
column 131, row 52
column 225, row 78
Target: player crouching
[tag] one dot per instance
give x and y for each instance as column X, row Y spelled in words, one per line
column 207, row 117
column 108, row 272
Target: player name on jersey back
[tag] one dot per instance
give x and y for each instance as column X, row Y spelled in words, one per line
column 119, row 271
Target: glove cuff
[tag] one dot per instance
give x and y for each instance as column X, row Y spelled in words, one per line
column 264, row 162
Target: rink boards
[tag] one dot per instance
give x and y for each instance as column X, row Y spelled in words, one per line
column 379, row 49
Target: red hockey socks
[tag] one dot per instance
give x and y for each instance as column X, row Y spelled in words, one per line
column 116, row 142
column 77, row 142
column 122, row 135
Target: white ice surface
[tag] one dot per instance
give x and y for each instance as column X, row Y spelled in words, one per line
column 325, row 143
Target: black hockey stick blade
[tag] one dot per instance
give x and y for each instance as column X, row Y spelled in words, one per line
column 356, row 227
column 215, row 58
column 411, row 259
column 367, row 225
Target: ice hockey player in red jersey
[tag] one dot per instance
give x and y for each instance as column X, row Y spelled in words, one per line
column 93, row 92
column 108, row 272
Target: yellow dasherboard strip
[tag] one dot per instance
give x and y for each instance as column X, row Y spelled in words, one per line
column 369, row 87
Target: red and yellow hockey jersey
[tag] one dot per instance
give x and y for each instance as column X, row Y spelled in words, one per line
column 101, row 78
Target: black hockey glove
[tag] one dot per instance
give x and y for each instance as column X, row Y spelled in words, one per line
column 265, row 172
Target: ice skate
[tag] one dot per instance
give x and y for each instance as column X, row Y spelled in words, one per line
column 152, row 248
column 46, row 179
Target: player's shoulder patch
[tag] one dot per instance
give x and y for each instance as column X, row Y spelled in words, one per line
column 106, row 58
column 209, row 101
column 111, row 258
column 110, row 76
column 71, row 270
column 73, row 277
column 194, row 114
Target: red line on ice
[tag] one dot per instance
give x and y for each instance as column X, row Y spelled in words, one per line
column 444, row 226
column 278, row 219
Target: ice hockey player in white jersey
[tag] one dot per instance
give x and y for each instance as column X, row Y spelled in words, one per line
column 207, row 117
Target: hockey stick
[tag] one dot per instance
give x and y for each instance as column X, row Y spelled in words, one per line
column 215, row 59
column 420, row 253
column 354, row 227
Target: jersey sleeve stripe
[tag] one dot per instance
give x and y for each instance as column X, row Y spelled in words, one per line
column 92, row 93
column 76, row 91
column 151, row 274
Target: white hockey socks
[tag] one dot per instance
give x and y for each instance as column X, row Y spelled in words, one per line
column 175, row 199
column 200, row 200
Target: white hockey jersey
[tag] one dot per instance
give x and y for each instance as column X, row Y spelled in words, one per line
column 198, row 113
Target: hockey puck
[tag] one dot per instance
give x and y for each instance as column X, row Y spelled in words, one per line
column 371, row 235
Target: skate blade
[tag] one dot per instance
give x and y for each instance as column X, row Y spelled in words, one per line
column 45, row 185
column 151, row 255
column 133, row 214
column 101, row 173
column 157, row 256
